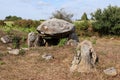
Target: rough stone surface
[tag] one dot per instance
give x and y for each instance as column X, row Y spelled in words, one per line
column 56, row 27
column 9, row 48
column 35, row 40
column 6, row 39
column 85, row 58
column 14, row 51
column 110, row 71
column 31, row 39
column 47, row 56
column 72, row 42
column 73, row 36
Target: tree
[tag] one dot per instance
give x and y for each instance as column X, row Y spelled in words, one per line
column 12, row 18
column 84, row 16
column 107, row 21
column 61, row 14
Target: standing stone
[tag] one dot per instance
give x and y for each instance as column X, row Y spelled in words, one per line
column 85, row 58
column 35, row 40
column 39, row 41
column 31, row 39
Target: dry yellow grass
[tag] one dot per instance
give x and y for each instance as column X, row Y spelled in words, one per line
column 32, row 67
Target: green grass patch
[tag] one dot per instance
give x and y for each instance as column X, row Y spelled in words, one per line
column 62, row 42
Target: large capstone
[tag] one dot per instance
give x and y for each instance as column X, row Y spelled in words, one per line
column 56, row 28
column 53, row 30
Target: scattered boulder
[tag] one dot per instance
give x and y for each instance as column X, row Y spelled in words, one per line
column 6, row 39
column 110, row 71
column 47, row 56
column 14, row 51
column 85, row 58
column 9, row 48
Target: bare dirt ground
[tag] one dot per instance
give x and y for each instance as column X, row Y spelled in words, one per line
column 31, row 66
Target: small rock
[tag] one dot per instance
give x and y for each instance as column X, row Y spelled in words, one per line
column 6, row 39
column 110, row 71
column 72, row 42
column 47, row 56
column 94, row 37
column 112, row 38
column 9, row 48
column 14, row 51
column 26, row 49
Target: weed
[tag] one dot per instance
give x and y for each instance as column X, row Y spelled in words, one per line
column 62, row 42
column 2, row 63
column 25, row 46
column 16, row 41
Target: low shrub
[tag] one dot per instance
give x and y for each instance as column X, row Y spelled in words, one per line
column 2, row 23
column 84, row 28
column 26, row 23
column 16, row 41
column 22, row 52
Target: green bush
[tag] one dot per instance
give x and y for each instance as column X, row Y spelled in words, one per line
column 84, row 28
column 107, row 21
column 2, row 23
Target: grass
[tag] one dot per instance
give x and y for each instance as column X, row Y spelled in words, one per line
column 62, row 42
column 9, row 27
column 32, row 67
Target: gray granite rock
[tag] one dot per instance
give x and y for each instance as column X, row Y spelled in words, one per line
column 110, row 71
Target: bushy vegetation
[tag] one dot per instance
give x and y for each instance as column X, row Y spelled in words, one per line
column 107, row 21
column 26, row 23
column 62, row 14
column 12, row 18
column 84, row 28
column 2, row 23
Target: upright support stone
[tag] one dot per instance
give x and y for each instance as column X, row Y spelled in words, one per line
column 35, row 40
column 31, row 39
column 85, row 58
